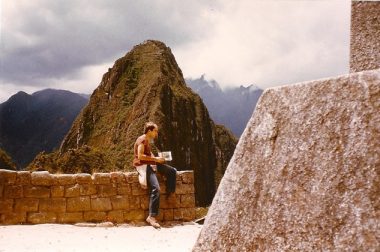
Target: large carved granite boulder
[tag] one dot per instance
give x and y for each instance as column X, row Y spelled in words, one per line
column 305, row 175
column 365, row 36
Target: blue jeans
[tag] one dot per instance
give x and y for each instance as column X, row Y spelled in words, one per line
column 154, row 188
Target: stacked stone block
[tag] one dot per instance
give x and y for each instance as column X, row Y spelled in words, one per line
column 41, row 197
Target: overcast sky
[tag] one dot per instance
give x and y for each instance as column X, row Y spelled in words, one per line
column 70, row 44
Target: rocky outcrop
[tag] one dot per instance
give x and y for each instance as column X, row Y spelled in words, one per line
column 305, row 175
column 365, row 36
column 144, row 85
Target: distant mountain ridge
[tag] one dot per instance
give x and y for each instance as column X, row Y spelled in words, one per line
column 33, row 123
column 231, row 107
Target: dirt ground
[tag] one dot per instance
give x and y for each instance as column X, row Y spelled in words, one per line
column 58, row 237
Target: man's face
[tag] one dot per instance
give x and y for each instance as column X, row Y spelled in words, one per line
column 155, row 133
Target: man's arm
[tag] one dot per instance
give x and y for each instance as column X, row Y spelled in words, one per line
column 142, row 156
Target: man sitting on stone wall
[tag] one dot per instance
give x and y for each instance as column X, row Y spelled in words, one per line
column 146, row 163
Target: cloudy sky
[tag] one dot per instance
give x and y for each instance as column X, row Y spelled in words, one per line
column 70, row 44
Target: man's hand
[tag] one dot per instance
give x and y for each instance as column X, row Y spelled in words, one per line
column 160, row 160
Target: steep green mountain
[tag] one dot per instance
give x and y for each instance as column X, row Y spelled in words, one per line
column 33, row 123
column 144, row 85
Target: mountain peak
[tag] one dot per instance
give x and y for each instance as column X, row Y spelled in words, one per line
column 147, row 65
column 51, row 91
column 201, row 84
column 20, row 95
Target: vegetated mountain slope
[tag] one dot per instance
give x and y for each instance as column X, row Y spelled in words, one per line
column 144, row 85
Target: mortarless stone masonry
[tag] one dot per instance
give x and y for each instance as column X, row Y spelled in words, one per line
column 305, row 175
column 41, row 197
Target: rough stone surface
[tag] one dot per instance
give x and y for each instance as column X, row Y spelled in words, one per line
column 57, row 191
column 101, row 204
column 134, row 215
column 107, row 190
column 42, row 178
column 185, row 189
column 168, row 214
column 116, row 216
column 120, row 202
column 187, row 177
column 44, row 217
column 72, row 198
column 184, row 214
column 124, row 189
column 365, row 36
column 70, row 217
column 79, row 204
column 13, row 192
column 95, row 216
column 306, row 172
column 13, row 218
column 36, row 192
column 117, row 177
column 83, row 178
column 6, row 205
column 102, row 178
column 72, row 191
column 65, row 179
column 187, row 200
column 53, row 205
column 26, row 204
column 23, row 178
column 7, row 176
column 87, row 189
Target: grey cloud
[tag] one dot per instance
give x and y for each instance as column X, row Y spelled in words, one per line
column 300, row 44
column 55, row 39
column 266, row 43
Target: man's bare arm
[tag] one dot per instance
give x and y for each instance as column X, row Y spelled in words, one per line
column 142, row 156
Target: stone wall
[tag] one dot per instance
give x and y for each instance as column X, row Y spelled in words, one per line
column 365, row 36
column 41, row 197
column 305, row 175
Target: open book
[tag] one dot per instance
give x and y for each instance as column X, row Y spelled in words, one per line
column 166, row 154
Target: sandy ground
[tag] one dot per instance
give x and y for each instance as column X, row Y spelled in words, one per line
column 55, row 237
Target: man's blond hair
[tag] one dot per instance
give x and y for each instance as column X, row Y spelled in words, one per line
column 149, row 126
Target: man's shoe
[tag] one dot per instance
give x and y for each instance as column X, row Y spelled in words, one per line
column 152, row 221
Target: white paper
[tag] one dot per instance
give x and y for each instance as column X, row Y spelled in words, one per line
column 167, row 155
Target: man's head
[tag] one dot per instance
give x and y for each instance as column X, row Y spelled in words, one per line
column 151, row 130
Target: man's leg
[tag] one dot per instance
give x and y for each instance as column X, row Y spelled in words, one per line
column 154, row 196
column 170, row 174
